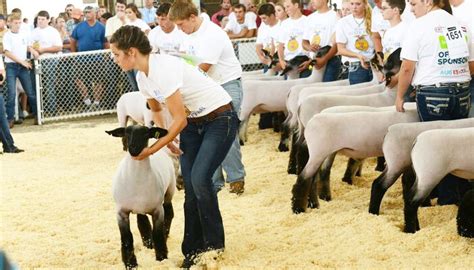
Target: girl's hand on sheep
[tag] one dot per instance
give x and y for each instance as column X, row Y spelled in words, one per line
column 399, row 104
column 146, row 152
column 174, row 147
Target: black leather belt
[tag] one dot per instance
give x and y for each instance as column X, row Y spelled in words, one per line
column 212, row 115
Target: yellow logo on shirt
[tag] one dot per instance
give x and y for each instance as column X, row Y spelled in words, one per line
column 362, row 44
column 293, row 45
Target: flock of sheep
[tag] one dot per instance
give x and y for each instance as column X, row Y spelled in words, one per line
column 358, row 121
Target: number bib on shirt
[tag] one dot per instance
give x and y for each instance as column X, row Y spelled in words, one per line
column 454, row 40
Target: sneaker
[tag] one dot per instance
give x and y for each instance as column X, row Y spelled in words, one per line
column 237, row 187
column 18, row 122
column 25, row 114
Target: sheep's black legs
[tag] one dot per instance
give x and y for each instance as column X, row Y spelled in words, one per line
column 351, row 170
column 169, row 214
column 128, row 256
column 465, row 217
column 302, row 157
column 300, row 191
column 159, row 239
column 313, row 201
column 380, row 164
column 144, row 227
column 284, row 138
column 377, row 193
column 293, row 152
column 325, row 174
column 410, row 209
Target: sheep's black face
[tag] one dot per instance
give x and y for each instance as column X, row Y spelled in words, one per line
column 137, row 137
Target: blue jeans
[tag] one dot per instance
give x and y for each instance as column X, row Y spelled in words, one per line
column 49, row 67
column 14, row 71
column 204, row 147
column 5, row 135
column 333, row 69
column 445, row 103
column 232, row 164
column 358, row 74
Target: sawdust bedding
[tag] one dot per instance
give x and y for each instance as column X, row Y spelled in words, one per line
column 57, row 211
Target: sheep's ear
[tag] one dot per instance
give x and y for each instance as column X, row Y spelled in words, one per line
column 156, row 132
column 118, row 132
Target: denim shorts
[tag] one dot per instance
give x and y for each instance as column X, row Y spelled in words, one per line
column 443, row 102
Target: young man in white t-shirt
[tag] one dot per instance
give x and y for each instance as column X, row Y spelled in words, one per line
column 166, row 37
column 15, row 46
column 239, row 28
column 267, row 35
column 394, row 35
column 290, row 41
column 211, row 44
column 321, row 26
column 46, row 40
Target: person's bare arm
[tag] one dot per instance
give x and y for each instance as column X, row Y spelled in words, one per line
column 405, row 77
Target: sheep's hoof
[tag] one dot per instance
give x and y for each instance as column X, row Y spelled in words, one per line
column 241, row 142
column 148, row 243
column 313, row 204
column 283, row 147
column 160, row 257
column 297, row 206
column 409, row 229
column 131, row 265
column 180, row 183
column 347, row 180
column 325, row 197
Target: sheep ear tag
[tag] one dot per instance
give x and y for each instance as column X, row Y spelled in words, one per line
column 118, row 132
column 156, row 132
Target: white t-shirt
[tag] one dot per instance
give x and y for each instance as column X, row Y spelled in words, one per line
column 393, row 38
column 250, row 19
column 378, row 23
column 291, row 35
column 45, row 38
column 140, row 24
column 268, row 35
column 166, row 42
column 205, row 16
column 235, row 27
column 166, row 74
column 352, row 32
column 429, row 45
column 464, row 13
column 212, row 45
column 112, row 25
column 320, row 28
column 16, row 43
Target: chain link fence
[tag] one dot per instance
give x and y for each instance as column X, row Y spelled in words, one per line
column 84, row 84
column 245, row 51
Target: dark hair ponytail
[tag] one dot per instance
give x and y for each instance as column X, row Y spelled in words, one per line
column 129, row 36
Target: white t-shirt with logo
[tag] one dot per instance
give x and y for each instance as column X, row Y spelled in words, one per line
column 166, row 42
column 393, row 38
column 268, row 35
column 291, row 35
column 166, row 74
column 352, row 32
column 431, row 41
column 45, row 38
column 320, row 27
column 212, row 45
column 17, row 44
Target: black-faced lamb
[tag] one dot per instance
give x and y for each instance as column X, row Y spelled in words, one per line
column 144, row 187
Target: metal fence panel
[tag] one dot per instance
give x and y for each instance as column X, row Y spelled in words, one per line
column 64, row 81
